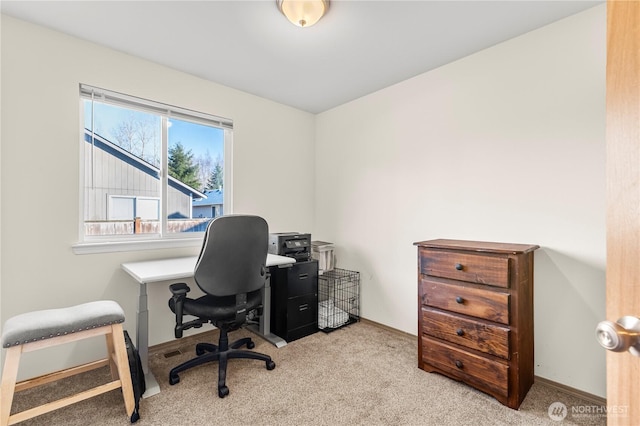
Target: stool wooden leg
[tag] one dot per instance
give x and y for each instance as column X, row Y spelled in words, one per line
column 122, row 362
column 113, row 367
column 9, row 376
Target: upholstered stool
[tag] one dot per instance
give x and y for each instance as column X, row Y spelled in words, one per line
column 41, row 329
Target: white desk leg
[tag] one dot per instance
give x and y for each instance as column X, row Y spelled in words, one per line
column 142, row 337
column 265, row 320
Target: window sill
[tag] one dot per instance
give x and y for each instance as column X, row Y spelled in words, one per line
column 122, row 246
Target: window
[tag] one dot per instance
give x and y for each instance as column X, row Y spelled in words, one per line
column 127, row 207
column 150, row 171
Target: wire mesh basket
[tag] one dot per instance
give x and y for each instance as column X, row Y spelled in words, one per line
column 338, row 299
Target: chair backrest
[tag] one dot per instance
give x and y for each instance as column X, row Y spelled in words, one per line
column 233, row 256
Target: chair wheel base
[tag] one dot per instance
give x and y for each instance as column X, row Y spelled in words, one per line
column 223, row 391
column 271, row 365
column 251, row 345
column 174, row 379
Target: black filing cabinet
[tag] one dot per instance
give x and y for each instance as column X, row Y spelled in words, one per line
column 294, row 300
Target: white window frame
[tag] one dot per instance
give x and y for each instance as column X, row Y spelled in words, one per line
column 106, row 244
column 138, row 207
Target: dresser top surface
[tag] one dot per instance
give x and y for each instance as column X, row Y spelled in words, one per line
column 477, row 246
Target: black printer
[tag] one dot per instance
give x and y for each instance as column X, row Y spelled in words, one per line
column 291, row 244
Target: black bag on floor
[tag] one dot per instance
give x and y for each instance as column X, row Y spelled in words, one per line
column 137, row 375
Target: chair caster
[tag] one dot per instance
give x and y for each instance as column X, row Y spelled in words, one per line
column 223, row 391
column 199, row 351
column 251, row 345
column 271, row 365
column 173, row 379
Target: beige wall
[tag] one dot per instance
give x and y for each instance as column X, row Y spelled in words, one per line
column 41, row 71
column 506, row 145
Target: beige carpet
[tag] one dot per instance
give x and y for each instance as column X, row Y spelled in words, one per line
column 361, row 374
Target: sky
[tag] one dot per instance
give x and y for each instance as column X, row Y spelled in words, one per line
column 198, row 138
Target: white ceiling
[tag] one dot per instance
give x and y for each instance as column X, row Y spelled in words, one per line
column 359, row 47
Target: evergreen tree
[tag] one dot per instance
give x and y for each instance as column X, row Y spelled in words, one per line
column 216, row 179
column 182, row 166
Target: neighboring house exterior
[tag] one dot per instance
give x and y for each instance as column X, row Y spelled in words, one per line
column 131, row 192
column 211, row 206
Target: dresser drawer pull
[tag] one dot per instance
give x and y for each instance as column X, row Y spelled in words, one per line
column 459, row 266
column 459, row 364
column 460, row 332
column 459, row 299
column 303, row 307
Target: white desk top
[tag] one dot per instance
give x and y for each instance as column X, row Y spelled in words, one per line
column 180, row 267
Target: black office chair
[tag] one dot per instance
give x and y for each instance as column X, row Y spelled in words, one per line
column 231, row 271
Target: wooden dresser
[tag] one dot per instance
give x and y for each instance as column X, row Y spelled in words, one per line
column 475, row 315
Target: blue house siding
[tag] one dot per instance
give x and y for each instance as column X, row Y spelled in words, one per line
column 212, row 206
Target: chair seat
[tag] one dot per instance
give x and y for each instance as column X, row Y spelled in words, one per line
column 217, row 308
column 49, row 323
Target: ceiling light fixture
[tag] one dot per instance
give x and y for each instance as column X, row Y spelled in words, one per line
column 303, row 13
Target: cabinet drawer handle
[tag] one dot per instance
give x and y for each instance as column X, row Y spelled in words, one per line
column 460, row 332
column 303, row 276
column 303, row 307
column 459, row 300
column 459, row 364
column 459, row 266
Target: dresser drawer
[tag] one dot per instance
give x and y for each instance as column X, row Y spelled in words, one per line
column 482, row 269
column 481, row 303
column 475, row 334
column 485, row 373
